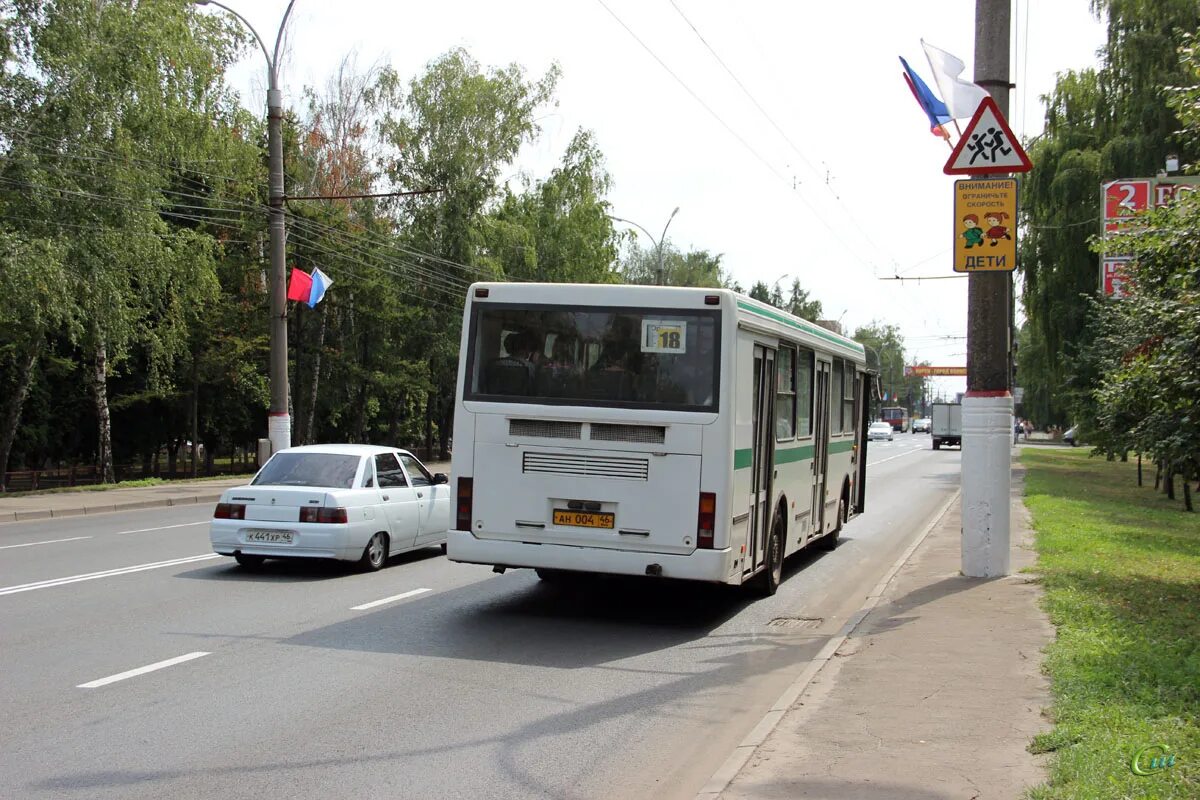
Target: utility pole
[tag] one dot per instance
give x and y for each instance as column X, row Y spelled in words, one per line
column 987, row 405
column 279, row 418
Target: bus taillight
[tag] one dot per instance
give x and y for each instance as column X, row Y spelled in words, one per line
column 706, row 522
column 463, row 504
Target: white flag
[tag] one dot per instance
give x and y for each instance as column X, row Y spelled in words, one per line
column 962, row 97
column 320, row 282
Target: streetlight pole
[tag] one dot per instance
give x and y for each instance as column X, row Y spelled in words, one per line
column 658, row 244
column 779, row 280
column 279, row 421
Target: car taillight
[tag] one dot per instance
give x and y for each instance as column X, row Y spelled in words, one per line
column 230, row 511
column 325, row 515
column 706, row 521
column 462, row 516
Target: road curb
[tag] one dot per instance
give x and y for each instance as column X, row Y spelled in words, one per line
column 108, row 508
column 720, row 780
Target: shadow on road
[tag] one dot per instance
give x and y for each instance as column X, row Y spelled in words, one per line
column 293, row 570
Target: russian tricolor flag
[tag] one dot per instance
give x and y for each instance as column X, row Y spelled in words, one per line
column 307, row 288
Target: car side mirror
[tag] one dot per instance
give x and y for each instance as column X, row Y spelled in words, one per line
column 440, row 477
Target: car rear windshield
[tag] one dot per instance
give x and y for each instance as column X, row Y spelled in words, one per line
column 328, row 470
column 621, row 357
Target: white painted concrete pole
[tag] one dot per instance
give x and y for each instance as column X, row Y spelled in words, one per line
column 987, row 405
column 986, row 479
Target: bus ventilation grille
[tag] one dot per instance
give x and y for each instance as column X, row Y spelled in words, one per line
column 545, row 429
column 644, row 434
column 630, row 469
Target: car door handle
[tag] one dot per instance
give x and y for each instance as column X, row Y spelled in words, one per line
column 420, row 494
column 385, row 497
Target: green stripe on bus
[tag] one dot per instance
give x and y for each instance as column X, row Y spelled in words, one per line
column 849, row 344
column 743, row 458
column 789, row 454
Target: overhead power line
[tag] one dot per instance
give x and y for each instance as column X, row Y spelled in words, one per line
column 741, row 140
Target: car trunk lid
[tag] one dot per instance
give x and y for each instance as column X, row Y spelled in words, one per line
column 277, row 503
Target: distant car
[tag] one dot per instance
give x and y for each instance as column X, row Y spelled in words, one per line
column 342, row 501
column 880, row 430
column 1070, row 437
column 923, row 425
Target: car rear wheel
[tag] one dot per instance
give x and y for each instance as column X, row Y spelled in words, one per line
column 248, row 561
column 375, row 553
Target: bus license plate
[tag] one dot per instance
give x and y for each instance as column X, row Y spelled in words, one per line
column 583, row 519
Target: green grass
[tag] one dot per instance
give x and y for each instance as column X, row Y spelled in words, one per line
column 1121, row 569
column 135, row 484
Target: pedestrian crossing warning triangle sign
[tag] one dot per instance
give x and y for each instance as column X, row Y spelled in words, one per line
column 987, row 146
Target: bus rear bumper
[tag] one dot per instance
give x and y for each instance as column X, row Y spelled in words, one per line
column 700, row 565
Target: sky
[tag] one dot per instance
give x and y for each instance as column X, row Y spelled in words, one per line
column 783, row 131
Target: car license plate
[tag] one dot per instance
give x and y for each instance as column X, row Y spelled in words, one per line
column 584, row 519
column 270, row 537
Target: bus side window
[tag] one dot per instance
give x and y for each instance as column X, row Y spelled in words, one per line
column 785, row 394
column 848, row 394
column 835, row 405
column 804, row 390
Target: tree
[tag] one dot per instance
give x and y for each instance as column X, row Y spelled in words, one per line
column 1146, row 345
column 799, row 302
column 885, row 356
column 1102, row 124
column 693, row 268
column 101, row 100
column 453, row 130
column 558, row 229
column 38, row 299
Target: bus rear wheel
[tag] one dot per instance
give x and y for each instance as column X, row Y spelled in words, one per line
column 772, row 575
column 830, row 540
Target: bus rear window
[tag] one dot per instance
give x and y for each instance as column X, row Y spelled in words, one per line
column 626, row 357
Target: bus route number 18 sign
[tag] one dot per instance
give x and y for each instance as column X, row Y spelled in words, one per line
column 985, row 225
column 664, row 336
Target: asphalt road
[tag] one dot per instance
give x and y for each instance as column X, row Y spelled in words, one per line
column 426, row 680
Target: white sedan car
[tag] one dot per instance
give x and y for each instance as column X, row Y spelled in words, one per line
column 345, row 501
column 880, row 430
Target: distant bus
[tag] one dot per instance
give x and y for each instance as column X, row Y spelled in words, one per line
column 641, row 430
column 896, row 417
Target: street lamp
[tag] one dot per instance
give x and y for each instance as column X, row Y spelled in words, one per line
column 779, row 280
column 279, row 422
column 657, row 244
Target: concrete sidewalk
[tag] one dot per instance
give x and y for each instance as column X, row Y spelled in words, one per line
column 99, row 501
column 935, row 694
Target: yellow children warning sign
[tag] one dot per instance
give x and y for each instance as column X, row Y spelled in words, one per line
column 985, row 225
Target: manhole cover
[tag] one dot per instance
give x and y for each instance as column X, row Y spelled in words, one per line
column 795, row 622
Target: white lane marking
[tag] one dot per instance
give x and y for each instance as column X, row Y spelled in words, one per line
column 108, row 573
column 902, row 455
column 133, row 673
column 48, row 541
column 163, row 527
column 391, row 599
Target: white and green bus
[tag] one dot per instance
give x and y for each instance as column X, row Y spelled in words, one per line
column 644, row 430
